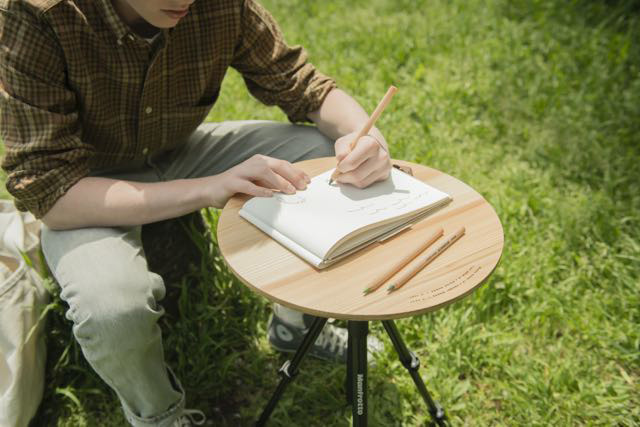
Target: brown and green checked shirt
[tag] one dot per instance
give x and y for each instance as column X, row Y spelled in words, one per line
column 79, row 91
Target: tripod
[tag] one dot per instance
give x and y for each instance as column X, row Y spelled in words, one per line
column 356, row 370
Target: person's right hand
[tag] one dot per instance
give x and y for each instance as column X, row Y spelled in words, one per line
column 257, row 176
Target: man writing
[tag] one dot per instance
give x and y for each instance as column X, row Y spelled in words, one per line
column 102, row 105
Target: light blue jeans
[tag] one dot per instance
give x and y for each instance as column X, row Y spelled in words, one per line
column 114, row 299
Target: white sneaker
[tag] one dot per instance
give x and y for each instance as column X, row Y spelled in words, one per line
column 189, row 418
column 331, row 344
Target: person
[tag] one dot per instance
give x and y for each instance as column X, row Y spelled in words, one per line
column 103, row 103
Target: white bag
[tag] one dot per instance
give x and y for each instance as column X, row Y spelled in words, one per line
column 22, row 301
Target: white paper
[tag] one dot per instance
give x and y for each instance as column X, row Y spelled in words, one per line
column 321, row 215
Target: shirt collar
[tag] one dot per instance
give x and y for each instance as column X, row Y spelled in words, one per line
column 119, row 28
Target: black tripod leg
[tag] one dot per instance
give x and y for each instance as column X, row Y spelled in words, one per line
column 412, row 363
column 290, row 368
column 358, row 331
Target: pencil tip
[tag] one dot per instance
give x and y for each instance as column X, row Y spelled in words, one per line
column 391, row 288
column 366, row 291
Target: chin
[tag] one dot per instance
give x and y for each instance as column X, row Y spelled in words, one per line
column 165, row 24
column 159, row 20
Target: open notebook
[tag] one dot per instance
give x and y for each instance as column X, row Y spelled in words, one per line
column 325, row 223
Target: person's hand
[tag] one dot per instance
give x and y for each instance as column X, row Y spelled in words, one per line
column 369, row 161
column 257, row 176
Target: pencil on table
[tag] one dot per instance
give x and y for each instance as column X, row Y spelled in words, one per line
column 423, row 260
column 369, row 124
column 404, row 261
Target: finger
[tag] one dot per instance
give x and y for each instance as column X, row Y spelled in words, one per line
column 276, row 182
column 291, row 174
column 361, row 172
column 261, row 172
column 378, row 175
column 248, row 187
column 343, row 146
column 374, row 169
column 366, row 148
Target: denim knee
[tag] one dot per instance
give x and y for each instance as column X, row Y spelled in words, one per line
column 121, row 317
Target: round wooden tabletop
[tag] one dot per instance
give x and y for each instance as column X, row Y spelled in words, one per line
column 337, row 291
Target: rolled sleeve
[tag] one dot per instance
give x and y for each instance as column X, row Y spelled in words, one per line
column 39, row 122
column 275, row 73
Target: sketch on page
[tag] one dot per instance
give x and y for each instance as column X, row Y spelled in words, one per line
column 290, row 199
column 392, row 202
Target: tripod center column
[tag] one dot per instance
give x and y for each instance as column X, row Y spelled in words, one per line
column 358, row 331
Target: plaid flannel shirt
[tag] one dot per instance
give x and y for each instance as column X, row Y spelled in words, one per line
column 80, row 91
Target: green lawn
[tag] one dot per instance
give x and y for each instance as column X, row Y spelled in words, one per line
column 536, row 104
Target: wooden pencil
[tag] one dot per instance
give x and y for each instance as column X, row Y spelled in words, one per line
column 423, row 260
column 435, row 235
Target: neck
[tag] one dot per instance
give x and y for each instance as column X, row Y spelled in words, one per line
column 136, row 22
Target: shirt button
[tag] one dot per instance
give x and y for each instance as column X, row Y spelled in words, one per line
column 148, row 110
column 119, row 42
column 145, row 150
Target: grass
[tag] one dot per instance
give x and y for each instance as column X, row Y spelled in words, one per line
column 533, row 103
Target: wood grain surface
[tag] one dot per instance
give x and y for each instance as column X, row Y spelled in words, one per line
column 337, row 291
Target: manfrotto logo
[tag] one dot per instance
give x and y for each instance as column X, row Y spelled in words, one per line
column 360, row 393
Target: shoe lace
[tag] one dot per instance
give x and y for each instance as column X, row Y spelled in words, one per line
column 191, row 417
column 333, row 338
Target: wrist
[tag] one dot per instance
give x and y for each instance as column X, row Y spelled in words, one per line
column 214, row 190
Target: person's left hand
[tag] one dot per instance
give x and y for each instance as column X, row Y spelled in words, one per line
column 369, row 161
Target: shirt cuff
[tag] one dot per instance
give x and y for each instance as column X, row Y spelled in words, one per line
column 312, row 98
column 37, row 193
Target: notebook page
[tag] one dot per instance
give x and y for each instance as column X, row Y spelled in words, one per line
column 321, row 215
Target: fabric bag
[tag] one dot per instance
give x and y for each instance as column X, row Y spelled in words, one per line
column 23, row 299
